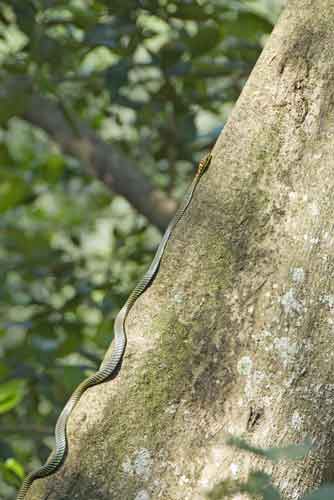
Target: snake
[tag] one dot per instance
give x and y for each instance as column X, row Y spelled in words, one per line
column 109, row 368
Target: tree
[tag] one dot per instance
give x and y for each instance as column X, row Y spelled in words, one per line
column 121, row 58
column 150, row 85
column 235, row 334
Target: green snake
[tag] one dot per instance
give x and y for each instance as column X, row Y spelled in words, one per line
column 110, row 366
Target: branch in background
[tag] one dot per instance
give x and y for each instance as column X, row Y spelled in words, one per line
column 27, row 429
column 103, row 160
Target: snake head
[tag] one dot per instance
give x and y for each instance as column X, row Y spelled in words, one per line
column 204, row 163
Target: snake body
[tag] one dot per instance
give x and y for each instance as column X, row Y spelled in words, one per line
column 110, row 366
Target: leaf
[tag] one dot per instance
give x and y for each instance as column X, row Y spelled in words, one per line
column 72, row 376
column 49, row 50
column 11, row 394
column 54, row 167
column 14, row 97
column 73, row 339
column 246, row 25
column 12, row 472
column 11, row 193
column 14, row 466
column 326, row 492
column 3, row 367
column 84, row 18
column 25, row 15
column 259, row 483
column 116, row 76
column 170, row 54
column 207, row 69
column 179, row 69
column 191, row 11
column 223, row 489
column 6, row 450
column 207, row 38
column 291, row 452
column 45, row 345
column 103, row 34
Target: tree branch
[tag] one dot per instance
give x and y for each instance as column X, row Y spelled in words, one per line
column 103, row 160
column 27, row 429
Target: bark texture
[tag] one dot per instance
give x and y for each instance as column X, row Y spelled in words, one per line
column 102, row 160
column 236, row 334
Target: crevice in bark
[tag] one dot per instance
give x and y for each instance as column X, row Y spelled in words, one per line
column 255, row 415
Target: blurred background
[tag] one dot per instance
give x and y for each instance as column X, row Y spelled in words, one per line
column 104, row 113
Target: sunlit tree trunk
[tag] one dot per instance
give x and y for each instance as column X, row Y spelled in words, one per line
column 236, row 334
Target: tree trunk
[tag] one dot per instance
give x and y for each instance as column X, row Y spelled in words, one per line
column 235, row 336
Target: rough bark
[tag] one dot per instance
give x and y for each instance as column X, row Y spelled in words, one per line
column 103, row 160
column 235, row 336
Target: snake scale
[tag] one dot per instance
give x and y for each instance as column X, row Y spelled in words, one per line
column 109, row 368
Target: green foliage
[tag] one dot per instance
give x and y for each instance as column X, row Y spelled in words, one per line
column 12, row 471
column 291, row 452
column 326, row 492
column 13, row 97
column 259, row 484
column 155, row 77
column 11, row 394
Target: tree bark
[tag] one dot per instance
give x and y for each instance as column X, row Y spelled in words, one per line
column 103, row 160
column 235, row 336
